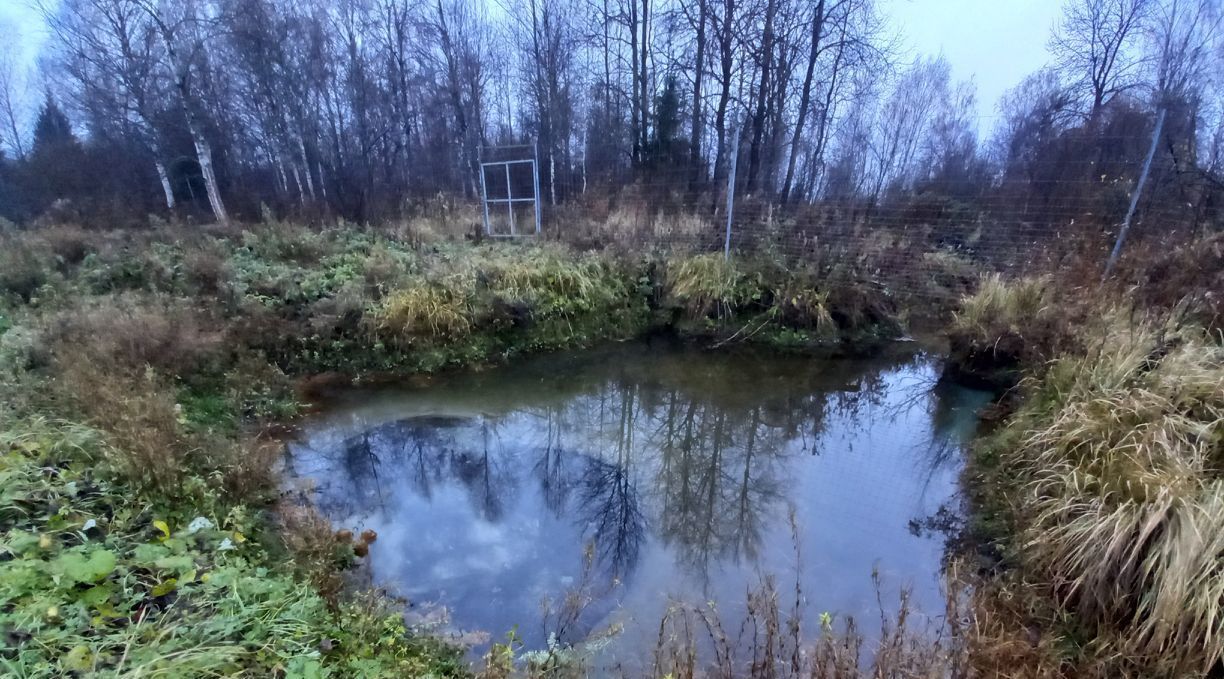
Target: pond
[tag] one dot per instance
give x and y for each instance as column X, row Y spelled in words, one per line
column 641, row 474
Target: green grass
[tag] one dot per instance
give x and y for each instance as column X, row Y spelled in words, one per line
column 102, row 581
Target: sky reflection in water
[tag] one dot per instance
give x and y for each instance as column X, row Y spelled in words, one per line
column 676, row 468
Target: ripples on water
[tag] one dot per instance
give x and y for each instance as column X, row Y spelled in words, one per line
column 646, row 472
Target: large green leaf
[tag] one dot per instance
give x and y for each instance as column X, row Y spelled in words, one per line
column 89, row 568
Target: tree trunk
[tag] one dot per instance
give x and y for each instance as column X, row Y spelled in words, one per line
column 297, row 179
column 804, row 100
column 277, row 162
column 306, row 167
column 204, row 156
column 164, row 177
column 645, row 105
column 456, row 100
column 635, row 100
column 698, row 71
column 762, row 104
column 826, row 114
column 726, row 63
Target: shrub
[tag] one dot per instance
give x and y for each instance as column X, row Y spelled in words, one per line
column 133, row 266
column 805, row 307
column 206, row 269
column 68, row 243
column 130, row 332
column 278, row 241
column 137, row 411
column 385, row 269
column 944, row 278
column 22, row 270
column 1190, row 276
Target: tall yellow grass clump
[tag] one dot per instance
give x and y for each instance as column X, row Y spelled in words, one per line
column 705, row 284
column 551, row 280
column 1002, row 306
column 1123, row 504
column 427, row 310
column 1008, row 328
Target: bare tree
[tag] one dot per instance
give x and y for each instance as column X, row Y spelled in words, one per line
column 13, row 90
column 904, row 122
column 457, row 30
column 182, row 30
column 110, row 53
column 1185, row 42
column 369, row 108
column 1095, row 45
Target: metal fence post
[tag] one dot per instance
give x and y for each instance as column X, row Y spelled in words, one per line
column 509, row 199
column 731, row 195
column 535, row 180
column 484, row 197
column 1147, row 166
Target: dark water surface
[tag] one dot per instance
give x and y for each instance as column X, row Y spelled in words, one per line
column 674, row 471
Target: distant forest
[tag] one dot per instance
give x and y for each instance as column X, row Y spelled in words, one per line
column 219, row 110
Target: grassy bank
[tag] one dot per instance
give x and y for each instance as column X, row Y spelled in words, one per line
column 143, row 372
column 1103, row 490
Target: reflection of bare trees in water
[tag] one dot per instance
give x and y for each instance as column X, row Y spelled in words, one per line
column 718, row 477
column 608, row 504
column 430, row 450
column 704, row 467
column 551, row 467
column 419, row 445
column 420, row 452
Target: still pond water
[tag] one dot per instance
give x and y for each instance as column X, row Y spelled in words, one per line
column 642, row 474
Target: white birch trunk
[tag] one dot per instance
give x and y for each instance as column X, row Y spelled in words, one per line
column 165, row 184
column 280, row 174
column 306, row 168
column 297, row 178
column 552, row 177
column 204, row 156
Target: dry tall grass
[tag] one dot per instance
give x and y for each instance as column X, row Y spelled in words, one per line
column 1122, row 470
column 427, row 310
column 705, row 285
column 770, row 642
column 1000, row 306
column 1009, row 326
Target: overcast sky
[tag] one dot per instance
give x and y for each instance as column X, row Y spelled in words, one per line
column 994, row 42
column 21, row 27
